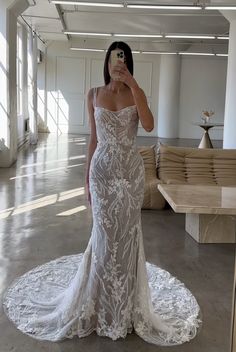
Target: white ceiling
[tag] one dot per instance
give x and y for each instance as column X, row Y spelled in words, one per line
column 44, row 17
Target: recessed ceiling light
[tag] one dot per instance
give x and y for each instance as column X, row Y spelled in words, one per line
column 183, row 36
column 165, row 7
column 136, row 52
column 88, row 33
column 139, row 35
column 159, row 52
column 202, row 54
column 228, row 7
column 84, row 3
column 87, row 49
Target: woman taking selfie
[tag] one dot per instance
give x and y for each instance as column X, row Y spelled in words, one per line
column 109, row 289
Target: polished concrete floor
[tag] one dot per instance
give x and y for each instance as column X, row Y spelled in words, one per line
column 44, row 214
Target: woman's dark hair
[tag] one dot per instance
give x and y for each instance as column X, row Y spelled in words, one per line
column 128, row 56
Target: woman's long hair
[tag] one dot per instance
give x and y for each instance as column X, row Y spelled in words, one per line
column 128, row 56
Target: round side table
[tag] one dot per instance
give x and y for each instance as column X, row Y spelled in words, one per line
column 206, row 141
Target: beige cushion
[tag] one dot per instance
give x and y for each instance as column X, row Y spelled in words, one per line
column 181, row 165
column 196, row 166
column 148, row 155
column 225, row 168
column 152, row 197
column 170, row 165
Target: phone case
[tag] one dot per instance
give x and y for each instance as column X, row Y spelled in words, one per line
column 115, row 56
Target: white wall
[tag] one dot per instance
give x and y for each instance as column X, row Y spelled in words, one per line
column 168, row 104
column 65, row 76
column 69, row 76
column 202, row 86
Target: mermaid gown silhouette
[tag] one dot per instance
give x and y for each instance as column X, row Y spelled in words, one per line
column 109, row 289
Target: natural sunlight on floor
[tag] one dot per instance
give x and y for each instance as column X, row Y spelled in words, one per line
column 45, row 201
column 47, row 171
column 53, row 161
column 72, row 211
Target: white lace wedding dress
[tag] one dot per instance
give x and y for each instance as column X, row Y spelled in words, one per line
column 109, row 288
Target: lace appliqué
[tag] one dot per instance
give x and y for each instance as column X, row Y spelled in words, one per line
column 109, row 288
column 171, row 301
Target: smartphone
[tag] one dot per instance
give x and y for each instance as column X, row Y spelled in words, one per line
column 116, row 55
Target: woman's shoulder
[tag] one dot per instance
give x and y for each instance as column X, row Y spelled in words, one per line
column 99, row 88
column 95, row 89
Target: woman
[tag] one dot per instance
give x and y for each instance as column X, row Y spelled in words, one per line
column 121, row 97
column 109, row 288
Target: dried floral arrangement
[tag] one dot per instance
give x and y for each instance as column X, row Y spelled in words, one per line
column 207, row 115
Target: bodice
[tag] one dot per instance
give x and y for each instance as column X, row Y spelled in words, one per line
column 118, row 128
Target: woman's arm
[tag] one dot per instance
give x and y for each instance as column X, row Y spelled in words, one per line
column 93, row 138
column 144, row 113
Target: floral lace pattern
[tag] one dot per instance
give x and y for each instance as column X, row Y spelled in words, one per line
column 109, row 288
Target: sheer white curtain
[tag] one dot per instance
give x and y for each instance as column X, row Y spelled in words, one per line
column 32, row 84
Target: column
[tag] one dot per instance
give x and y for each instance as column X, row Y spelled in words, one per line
column 25, row 72
column 32, row 83
column 229, row 139
column 9, row 10
column 168, row 103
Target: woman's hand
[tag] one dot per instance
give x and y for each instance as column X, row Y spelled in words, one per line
column 88, row 192
column 124, row 75
column 144, row 113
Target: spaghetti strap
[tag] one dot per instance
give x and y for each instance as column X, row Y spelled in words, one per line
column 94, row 96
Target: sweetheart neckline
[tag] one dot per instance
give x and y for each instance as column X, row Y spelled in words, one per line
column 126, row 107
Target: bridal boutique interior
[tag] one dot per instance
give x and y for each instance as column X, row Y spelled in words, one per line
column 50, row 56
